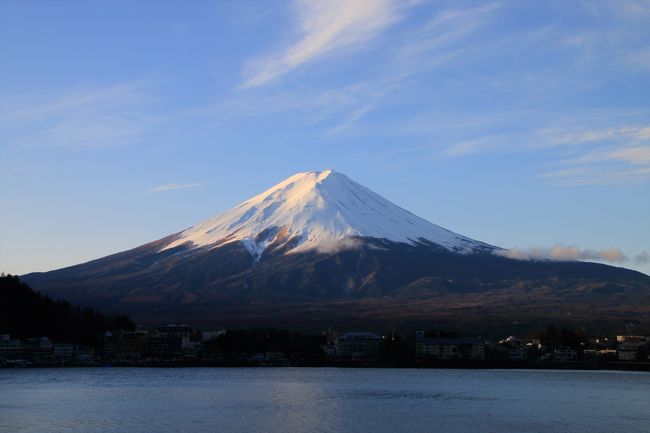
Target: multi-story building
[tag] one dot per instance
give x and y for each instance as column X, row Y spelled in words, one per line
column 632, row 338
column 183, row 332
column 633, row 351
column 358, row 345
column 38, row 349
column 132, row 344
column 164, row 345
column 9, row 349
column 212, row 335
column 63, row 351
column 565, row 353
column 109, row 345
column 449, row 348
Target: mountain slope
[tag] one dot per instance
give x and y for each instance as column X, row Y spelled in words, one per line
column 317, row 246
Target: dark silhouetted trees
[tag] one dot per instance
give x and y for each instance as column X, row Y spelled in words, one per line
column 293, row 345
column 25, row 313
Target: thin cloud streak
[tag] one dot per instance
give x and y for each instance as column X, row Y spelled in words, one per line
column 589, row 176
column 572, row 138
column 175, row 186
column 635, row 155
column 446, row 28
column 35, row 107
column 615, row 156
column 84, row 117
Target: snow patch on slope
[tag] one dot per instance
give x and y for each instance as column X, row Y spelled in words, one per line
column 319, row 210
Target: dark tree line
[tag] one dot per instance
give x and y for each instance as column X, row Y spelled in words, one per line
column 25, row 313
column 397, row 350
column 554, row 338
column 297, row 346
column 293, row 345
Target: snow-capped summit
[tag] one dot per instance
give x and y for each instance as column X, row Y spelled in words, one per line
column 322, row 210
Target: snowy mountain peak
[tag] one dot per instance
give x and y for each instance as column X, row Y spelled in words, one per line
column 322, row 210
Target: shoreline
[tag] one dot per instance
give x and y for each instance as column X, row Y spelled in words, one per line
column 528, row 365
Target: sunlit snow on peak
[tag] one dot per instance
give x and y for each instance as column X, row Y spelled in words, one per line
column 318, row 210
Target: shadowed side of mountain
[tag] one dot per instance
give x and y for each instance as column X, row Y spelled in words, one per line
column 191, row 283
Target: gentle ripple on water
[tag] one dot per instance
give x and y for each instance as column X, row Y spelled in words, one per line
column 296, row 400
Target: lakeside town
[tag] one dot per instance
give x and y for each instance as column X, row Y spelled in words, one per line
column 36, row 331
column 181, row 345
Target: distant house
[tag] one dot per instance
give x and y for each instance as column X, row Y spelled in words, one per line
column 514, row 348
column 212, row 335
column 38, row 349
column 358, row 345
column 449, row 348
column 63, row 351
column 182, row 332
column 633, row 351
column 132, row 345
column 9, row 349
column 564, row 353
column 517, row 353
column 609, row 354
column 632, row 338
column 164, row 345
column 600, row 354
column 109, row 345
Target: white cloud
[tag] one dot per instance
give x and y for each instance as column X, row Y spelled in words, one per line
column 174, row 186
column 561, row 252
column 324, row 27
column 336, row 245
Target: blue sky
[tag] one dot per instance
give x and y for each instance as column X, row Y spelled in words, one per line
column 521, row 124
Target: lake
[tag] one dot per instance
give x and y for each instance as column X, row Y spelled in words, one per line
column 295, row 400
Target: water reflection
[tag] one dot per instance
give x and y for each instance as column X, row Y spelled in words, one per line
column 323, row 400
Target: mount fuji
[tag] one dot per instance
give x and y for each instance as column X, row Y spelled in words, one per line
column 321, row 211
column 320, row 249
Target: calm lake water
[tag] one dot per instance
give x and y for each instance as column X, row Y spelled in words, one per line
column 295, row 400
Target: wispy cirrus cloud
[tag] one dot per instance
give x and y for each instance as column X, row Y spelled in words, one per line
column 567, row 136
column 597, row 176
column 443, row 33
column 323, row 27
column 174, row 186
column 634, row 155
column 605, row 156
column 339, row 27
column 36, row 106
column 461, row 61
column 88, row 116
